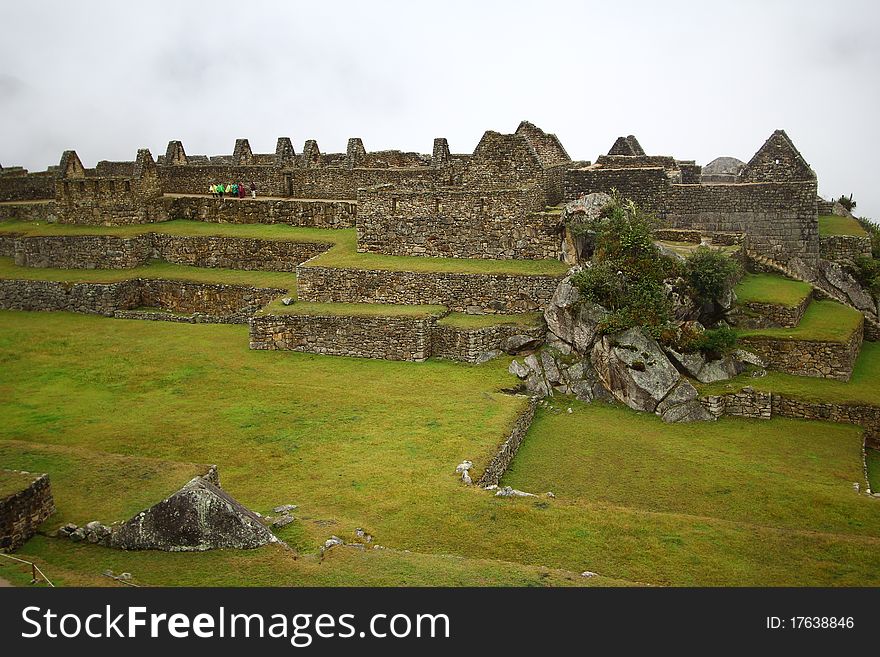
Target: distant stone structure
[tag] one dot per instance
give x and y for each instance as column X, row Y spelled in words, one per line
column 492, row 203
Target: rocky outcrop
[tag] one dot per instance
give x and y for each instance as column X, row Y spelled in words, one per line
column 634, row 369
column 834, row 276
column 571, row 320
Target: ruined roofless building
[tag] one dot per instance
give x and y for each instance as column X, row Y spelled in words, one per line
column 492, row 203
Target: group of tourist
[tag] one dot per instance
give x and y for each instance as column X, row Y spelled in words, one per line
column 232, row 189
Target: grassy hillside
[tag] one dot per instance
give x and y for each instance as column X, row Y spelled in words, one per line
column 373, row 444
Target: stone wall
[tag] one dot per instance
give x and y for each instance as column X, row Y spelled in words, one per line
column 844, row 248
column 294, row 212
column 111, row 252
column 830, row 360
column 363, row 336
column 468, row 344
column 47, row 211
column 474, row 293
column 22, row 512
column 19, row 185
column 226, row 303
column 697, row 237
column 508, row 449
column 748, row 403
column 83, row 251
column 768, row 315
column 500, row 224
column 751, row 403
column 780, row 218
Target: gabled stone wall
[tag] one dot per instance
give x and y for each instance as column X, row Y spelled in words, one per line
column 22, row 512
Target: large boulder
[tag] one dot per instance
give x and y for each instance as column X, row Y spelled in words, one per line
column 836, row 277
column 720, row 369
column 549, row 372
column 682, row 405
column 200, row 516
column 573, row 320
column 634, row 369
column 582, row 212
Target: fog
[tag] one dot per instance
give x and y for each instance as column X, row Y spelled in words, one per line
column 695, row 80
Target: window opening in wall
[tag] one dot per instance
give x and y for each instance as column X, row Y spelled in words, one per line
column 128, row 185
column 97, row 187
column 66, row 187
column 112, row 185
column 82, row 187
column 482, row 206
column 438, row 206
column 393, row 205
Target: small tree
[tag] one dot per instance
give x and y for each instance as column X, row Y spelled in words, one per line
column 847, row 202
column 711, row 273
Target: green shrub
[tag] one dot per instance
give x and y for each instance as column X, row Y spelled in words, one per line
column 867, row 273
column 600, row 284
column 710, row 273
column 873, row 231
column 716, row 343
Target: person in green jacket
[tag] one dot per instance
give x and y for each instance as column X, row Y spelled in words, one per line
column 234, row 189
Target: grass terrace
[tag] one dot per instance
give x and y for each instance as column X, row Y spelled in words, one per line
column 755, row 472
column 346, row 255
column 872, row 461
column 824, row 321
column 156, row 269
column 833, row 225
column 772, row 289
column 862, row 388
column 466, row 321
column 373, row 444
column 181, row 227
column 349, row 309
column 12, row 482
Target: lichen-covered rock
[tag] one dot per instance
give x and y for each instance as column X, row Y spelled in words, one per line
column 572, row 320
column 687, row 363
column 634, row 369
column 682, row 405
column 719, row 370
column 200, row 516
column 836, row 277
column 517, row 344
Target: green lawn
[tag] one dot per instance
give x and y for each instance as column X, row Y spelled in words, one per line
column 862, row 388
column 465, row 321
column 772, row 289
column 834, row 225
column 12, row 482
column 757, row 472
column 181, row 227
column 872, row 460
column 373, row 444
column 345, row 254
column 156, row 269
column 824, row 321
column 346, row 309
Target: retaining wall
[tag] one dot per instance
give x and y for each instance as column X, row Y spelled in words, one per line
column 390, row 338
column 508, row 449
column 829, row 360
column 222, row 303
column 474, row 293
column 112, row 252
column 468, row 345
column 294, row 212
column 844, row 248
column 769, row 315
column 22, row 512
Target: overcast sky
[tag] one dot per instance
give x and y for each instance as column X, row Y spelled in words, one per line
column 695, row 80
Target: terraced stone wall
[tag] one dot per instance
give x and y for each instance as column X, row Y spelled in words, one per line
column 844, row 248
column 22, row 512
column 768, row 315
column 474, row 293
column 112, row 252
column 294, row 212
column 829, row 360
column 500, row 224
column 468, row 344
column 389, row 338
column 227, row 303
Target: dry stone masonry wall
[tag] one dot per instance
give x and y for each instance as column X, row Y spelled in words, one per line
column 221, row 303
column 829, row 360
column 844, row 248
column 22, row 512
column 390, row 338
column 474, row 293
column 468, row 345
column 111, row 252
